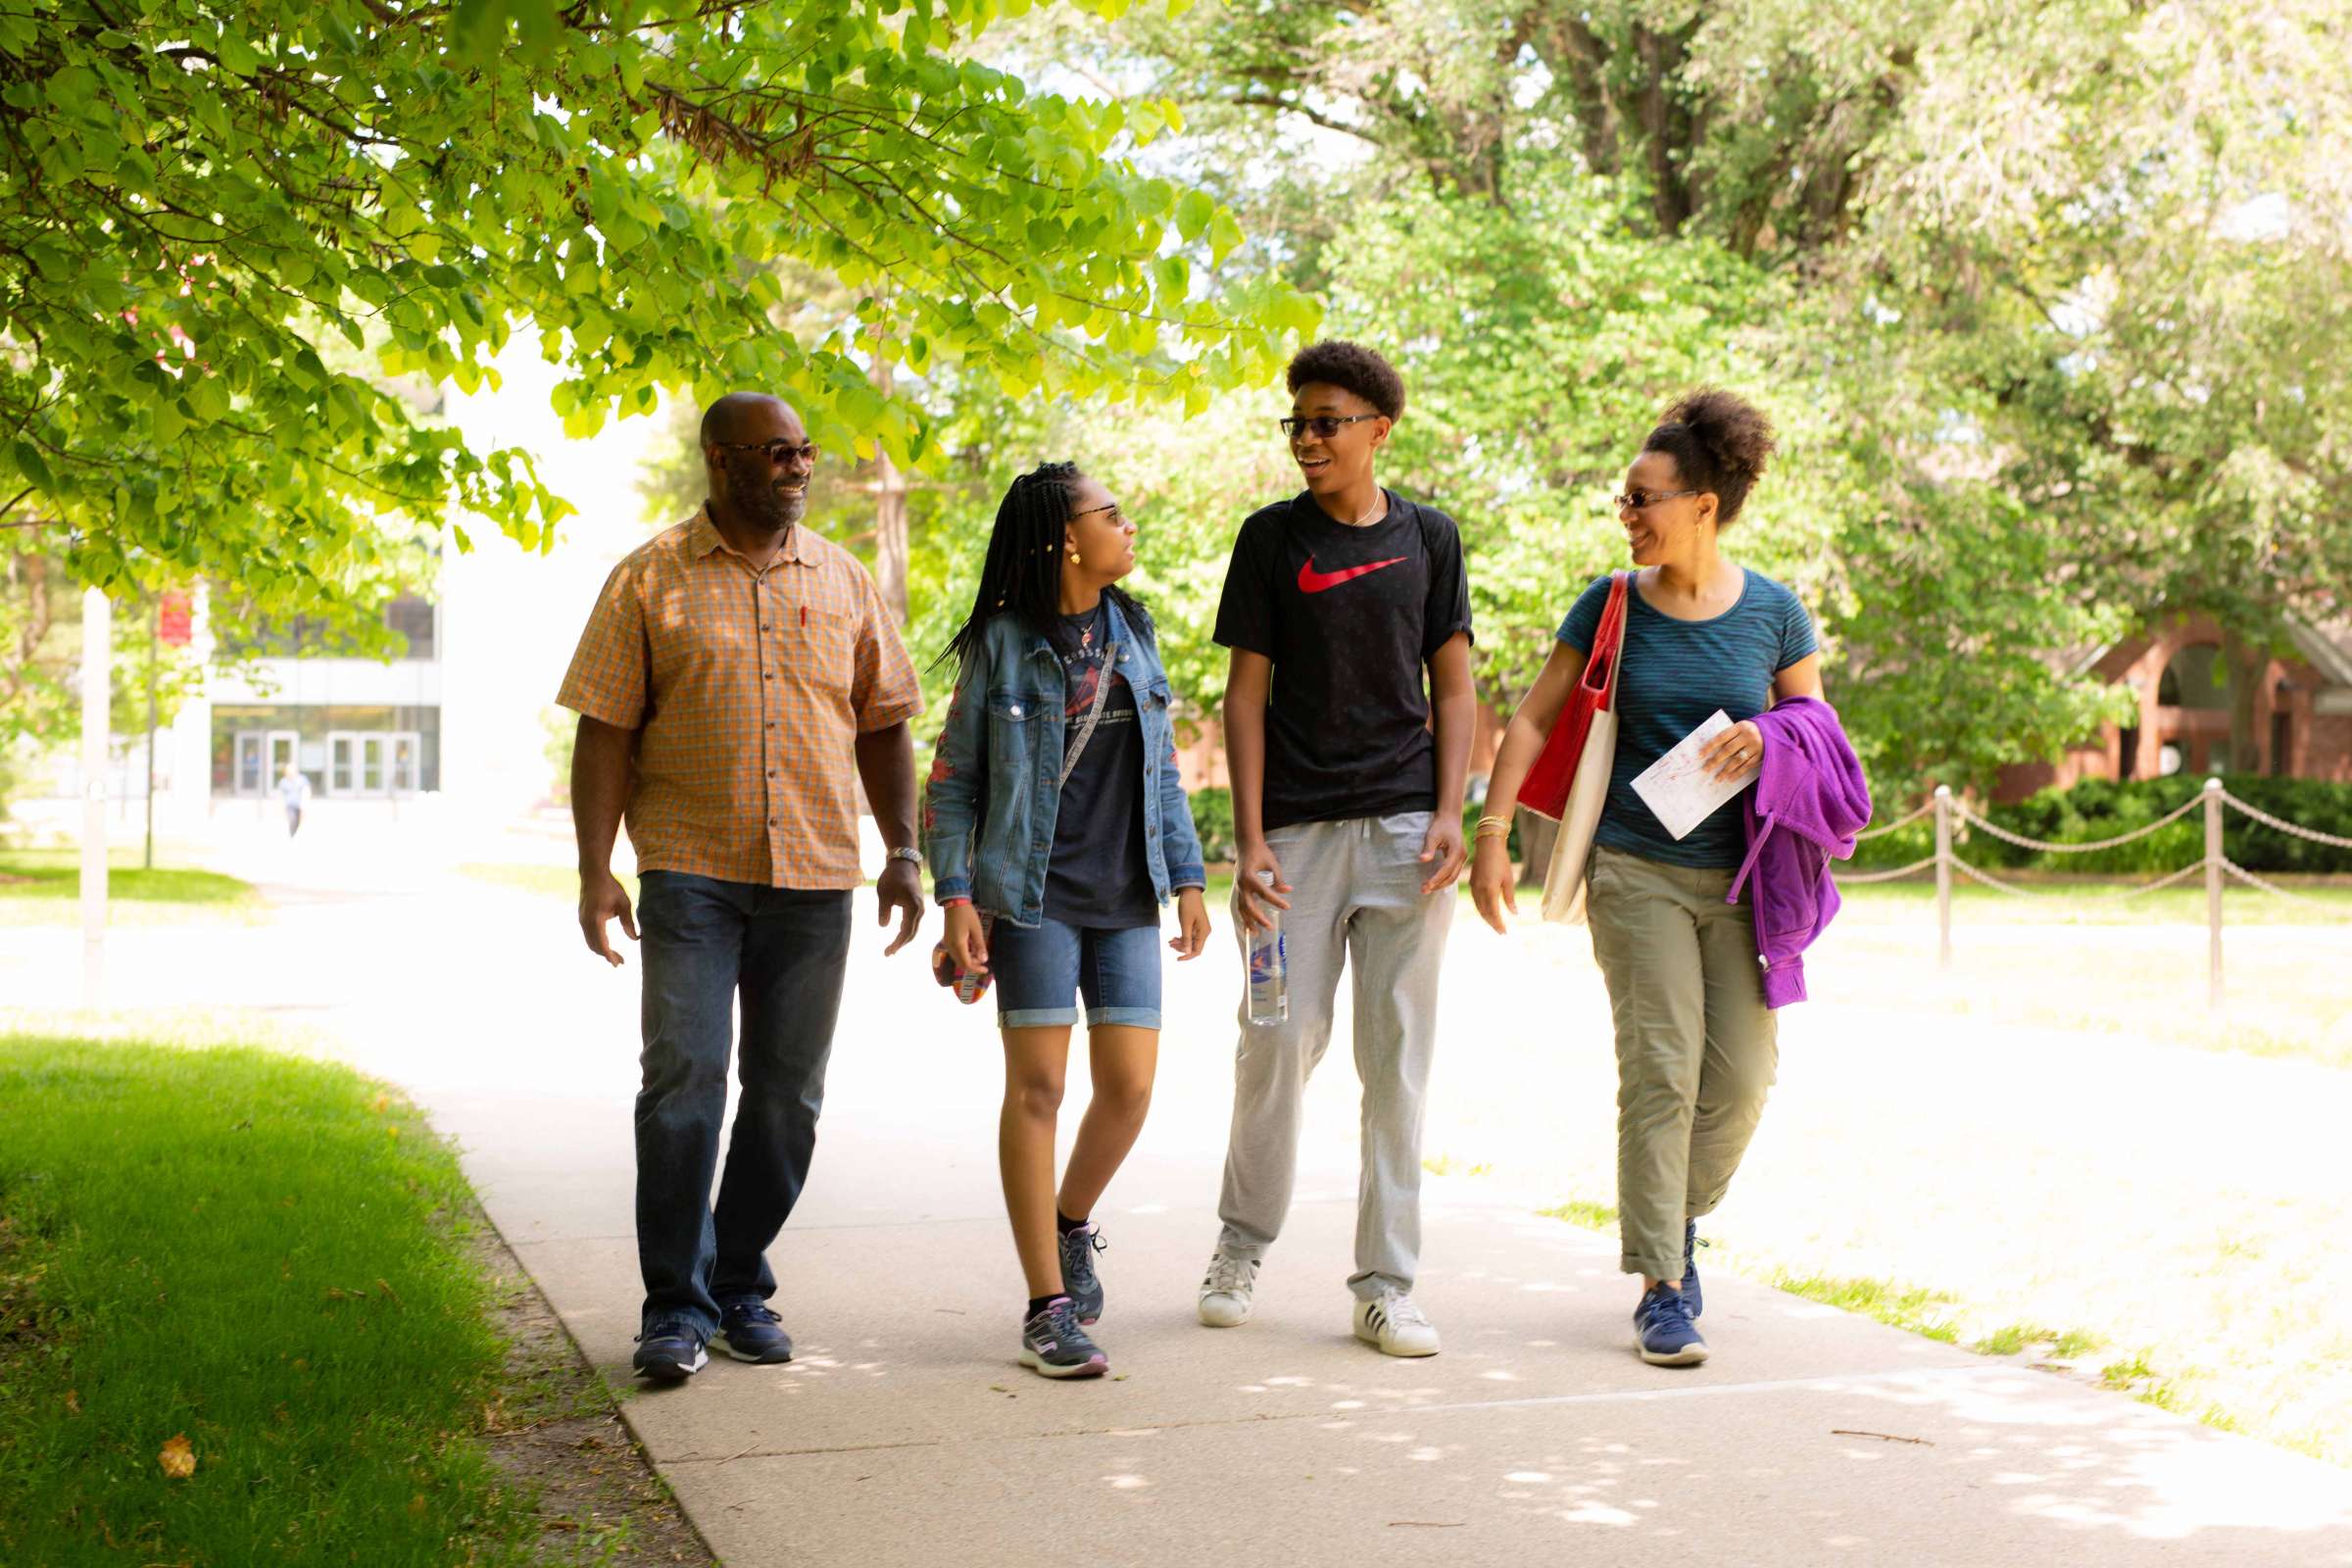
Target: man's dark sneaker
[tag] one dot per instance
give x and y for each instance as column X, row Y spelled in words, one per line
column 1055, row 1347
column 670, row 1353
column 1691, row 1298
column 1078, row 1276
column 750, row 1333
column 1663, row 1329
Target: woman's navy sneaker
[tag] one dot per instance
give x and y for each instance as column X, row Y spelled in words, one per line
column 670, row 1353
column 750, row 1333
column 1691, row 1298
column 1078, row 1276
column 1663, row 1331
column 1055, row 1346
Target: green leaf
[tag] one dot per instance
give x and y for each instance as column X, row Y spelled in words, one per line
column 208, row 397
column 237, row 52
column 34, row 466
column 1194, row 214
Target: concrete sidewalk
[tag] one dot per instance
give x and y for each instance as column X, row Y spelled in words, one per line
column 904, row 1433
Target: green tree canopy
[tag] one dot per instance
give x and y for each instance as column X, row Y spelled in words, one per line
column 233, row 237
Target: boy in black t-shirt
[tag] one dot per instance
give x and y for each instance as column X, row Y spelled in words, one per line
column 1334, row 603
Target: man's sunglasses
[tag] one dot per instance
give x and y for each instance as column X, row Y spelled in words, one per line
column 778, row 453
column 1325, row 425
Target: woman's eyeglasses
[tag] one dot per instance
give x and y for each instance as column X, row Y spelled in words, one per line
column 777, row 451
column 1643, row 499
column 1325, row 425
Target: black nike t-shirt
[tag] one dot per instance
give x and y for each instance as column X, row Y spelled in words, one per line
column 1349, row 616
column 1097, row 874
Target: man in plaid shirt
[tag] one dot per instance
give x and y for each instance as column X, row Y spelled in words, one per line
column 733, row 671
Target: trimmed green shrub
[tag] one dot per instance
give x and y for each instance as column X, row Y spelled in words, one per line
column 2101, row 809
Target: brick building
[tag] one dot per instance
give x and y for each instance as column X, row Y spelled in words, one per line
column 2302, row 709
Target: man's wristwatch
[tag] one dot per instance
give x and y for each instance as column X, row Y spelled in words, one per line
column 904, row 853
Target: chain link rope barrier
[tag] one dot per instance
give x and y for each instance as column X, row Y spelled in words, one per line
column 2217, row 869
column 2291, row 829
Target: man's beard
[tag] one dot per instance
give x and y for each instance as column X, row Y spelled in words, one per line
column 767, row 505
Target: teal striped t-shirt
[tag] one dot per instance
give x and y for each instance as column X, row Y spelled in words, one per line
column 1676, row 672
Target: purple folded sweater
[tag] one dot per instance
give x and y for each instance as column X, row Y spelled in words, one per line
column 1808, row 803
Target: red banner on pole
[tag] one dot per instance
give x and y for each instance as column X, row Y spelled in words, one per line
column 173, row 618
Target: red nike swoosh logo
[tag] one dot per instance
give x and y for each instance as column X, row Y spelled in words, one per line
column 1311, row 581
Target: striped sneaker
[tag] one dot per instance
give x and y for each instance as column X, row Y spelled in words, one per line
column 1078, row 1276
column 1054, row 1345
column 1399, row 1327
column 1662, row 1330
column 1226, row 1291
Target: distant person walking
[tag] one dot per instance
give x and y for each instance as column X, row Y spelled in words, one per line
column 734, row 672
column 294, row 789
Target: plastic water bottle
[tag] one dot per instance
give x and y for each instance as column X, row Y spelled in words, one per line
column 1269, row 975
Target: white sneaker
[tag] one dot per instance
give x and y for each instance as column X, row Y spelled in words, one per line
column 1396, row 1325
column 1225, row 1290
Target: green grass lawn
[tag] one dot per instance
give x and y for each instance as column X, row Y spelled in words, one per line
column 552, row 881
column 2094, row 903
column 43, row 887
column 257, row 1260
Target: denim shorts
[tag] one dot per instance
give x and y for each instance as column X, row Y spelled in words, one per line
column 1042, row 971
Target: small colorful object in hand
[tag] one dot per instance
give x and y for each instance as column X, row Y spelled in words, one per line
column 969, row 985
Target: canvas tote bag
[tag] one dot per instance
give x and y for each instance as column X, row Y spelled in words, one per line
column 1574, row 769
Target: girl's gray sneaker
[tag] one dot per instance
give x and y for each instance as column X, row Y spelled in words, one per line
column 1054, row 1345
column 1078, row 1276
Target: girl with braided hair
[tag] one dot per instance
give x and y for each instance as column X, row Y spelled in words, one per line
column 1054, row 811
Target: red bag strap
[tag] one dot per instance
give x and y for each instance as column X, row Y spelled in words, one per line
column 1609, row 644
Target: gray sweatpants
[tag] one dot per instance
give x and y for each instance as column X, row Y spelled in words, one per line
column 1355, row 900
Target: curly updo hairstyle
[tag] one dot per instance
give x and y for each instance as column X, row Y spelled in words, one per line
column 1352, row 368
column 1719, row 441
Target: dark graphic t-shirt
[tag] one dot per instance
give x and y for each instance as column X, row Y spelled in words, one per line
column 1097, row 875
column 1349, row 616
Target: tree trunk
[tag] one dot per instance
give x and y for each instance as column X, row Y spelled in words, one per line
column 2247, row 663
column 32, row 571
column 890, row 514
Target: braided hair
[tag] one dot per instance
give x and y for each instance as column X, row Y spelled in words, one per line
column 1022, row 574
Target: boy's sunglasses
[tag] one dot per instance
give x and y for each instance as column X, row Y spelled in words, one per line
column 1325, row 425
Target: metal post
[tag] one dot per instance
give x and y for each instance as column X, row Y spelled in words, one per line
column 97, row 650
column 2213, row 892
column 1943, row 876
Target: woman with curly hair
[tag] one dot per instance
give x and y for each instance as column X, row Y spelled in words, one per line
column 1672, row 918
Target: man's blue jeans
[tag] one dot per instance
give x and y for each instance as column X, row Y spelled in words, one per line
column 785, row 953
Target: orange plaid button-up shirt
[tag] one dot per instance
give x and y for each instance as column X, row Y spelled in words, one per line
column 749, row 689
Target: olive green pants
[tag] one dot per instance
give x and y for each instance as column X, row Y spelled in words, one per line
column 1697, row 1048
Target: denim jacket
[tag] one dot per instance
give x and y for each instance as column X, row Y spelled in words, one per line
column 990, row 802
